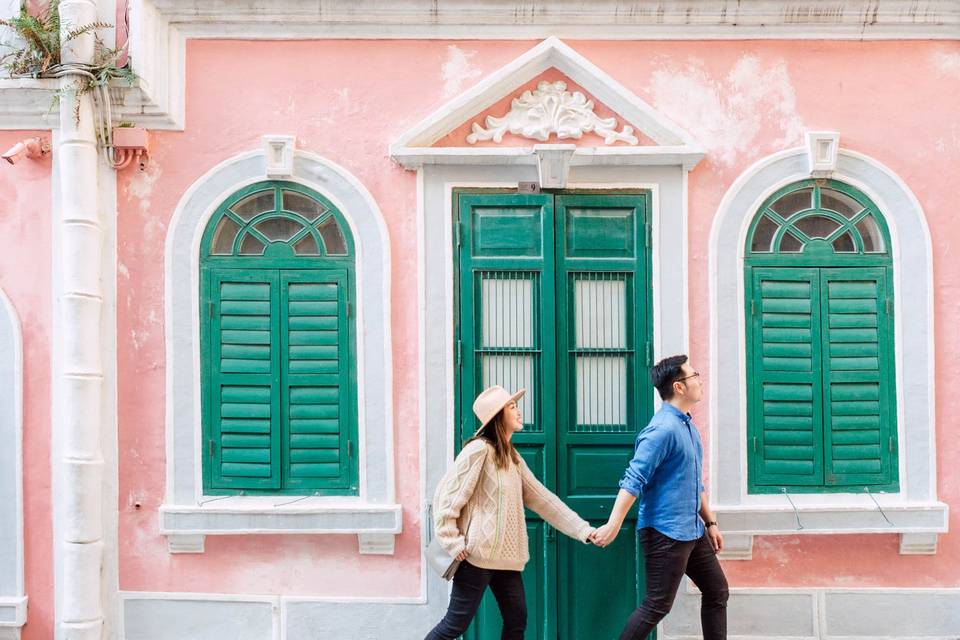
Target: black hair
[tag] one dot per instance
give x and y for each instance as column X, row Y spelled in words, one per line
column 665, row 373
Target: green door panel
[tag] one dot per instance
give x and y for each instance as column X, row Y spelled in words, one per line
column 599, row 588
column 537, row 581
column 553, row 296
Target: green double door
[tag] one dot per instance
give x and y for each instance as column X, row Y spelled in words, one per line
column 553, row 296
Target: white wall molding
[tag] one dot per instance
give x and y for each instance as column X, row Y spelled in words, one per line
column 414, row 149
column 186, row 511
column 915, row 508
column 13, row 601
column 605, row 19
column 829, row 613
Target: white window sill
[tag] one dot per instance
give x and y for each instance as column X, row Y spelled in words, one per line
column 186, row 525
column 918, row 523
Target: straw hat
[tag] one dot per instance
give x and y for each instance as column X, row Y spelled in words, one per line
column 489, row 403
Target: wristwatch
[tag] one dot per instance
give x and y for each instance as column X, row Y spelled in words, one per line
column 712, row 523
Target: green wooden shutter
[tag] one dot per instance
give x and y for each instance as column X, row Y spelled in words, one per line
column 318, row 422
column 243, row 445
column 785, row 421
column 857, row 377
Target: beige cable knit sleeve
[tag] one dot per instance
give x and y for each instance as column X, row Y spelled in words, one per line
column 453, row 492
column 551, row 508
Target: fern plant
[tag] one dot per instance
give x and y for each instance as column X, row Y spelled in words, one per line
column 37, row 46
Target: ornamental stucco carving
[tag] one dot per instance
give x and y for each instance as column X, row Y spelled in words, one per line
column 551, row 109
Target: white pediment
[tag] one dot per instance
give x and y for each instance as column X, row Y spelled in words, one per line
column 672, row 145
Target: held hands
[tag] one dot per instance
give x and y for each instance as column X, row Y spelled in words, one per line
column 604, row 535
column 462, row 555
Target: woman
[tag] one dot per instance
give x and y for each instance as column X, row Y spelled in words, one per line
column 478, row 511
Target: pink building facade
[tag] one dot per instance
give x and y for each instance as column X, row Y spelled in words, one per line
column 130, row 508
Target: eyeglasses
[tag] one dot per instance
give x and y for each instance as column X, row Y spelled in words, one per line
column 695, row 374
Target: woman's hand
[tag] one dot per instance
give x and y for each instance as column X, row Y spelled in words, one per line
column 462, row 555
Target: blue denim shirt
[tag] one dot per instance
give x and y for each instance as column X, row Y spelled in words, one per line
column 665, row 474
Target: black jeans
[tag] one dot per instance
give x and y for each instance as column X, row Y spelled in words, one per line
column 667, row 560
column 469, row 584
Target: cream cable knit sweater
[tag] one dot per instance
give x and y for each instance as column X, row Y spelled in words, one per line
column 489, row 502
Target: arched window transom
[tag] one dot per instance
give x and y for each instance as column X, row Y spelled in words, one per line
column 818, row 217
column 277, row 221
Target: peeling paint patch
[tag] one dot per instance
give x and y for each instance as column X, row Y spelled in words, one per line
column 341, row 107
column 138, row 338
column 949, row 141
column 142, row 183
column 123, row 271
column 729, row 116
column 457, row 70
column 947, row 62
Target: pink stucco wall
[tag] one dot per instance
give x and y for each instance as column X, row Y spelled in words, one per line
column 25, row 278
column 741, row 100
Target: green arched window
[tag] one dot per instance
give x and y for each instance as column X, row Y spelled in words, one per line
column 278, row 344
column 820, row 347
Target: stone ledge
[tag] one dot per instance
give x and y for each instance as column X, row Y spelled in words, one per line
column 918, row 523
column 186, row 525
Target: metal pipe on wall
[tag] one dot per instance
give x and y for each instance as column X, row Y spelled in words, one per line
column 78, row 380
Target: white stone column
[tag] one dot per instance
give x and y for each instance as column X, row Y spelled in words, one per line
column 78, row 379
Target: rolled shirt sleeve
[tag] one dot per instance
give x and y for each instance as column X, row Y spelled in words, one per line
column 651, row 447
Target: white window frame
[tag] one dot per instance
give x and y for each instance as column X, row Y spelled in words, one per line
column 13, row 599
column 187, row 515
column 914, row 512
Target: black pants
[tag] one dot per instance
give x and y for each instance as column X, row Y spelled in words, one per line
column 469, row 584
column 667, row 560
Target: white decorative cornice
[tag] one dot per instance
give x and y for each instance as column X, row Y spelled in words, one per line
column 671, row 144
column 551, row 110
column 597, row 19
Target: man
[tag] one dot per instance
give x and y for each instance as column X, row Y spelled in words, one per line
column 678, row 531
